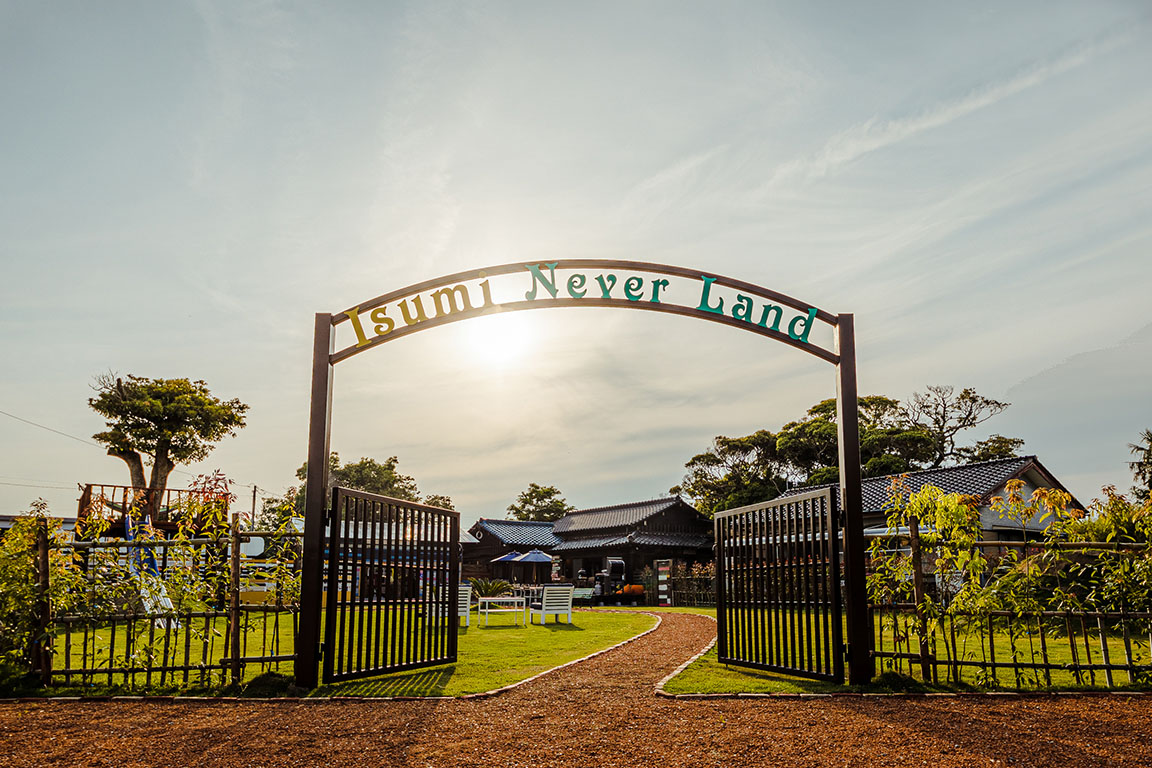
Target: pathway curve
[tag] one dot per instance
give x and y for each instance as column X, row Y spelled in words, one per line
column 597, row 713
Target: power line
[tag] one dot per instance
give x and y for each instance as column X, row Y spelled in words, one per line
column 58, row 432
column 33, row 485
column 88, row 442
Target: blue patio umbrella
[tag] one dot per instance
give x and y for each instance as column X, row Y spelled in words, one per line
column 534, row 557
column 507, row 557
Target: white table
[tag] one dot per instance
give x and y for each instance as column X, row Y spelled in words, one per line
column 517, row 606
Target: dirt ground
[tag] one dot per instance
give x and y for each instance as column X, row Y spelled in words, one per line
column 598, row 713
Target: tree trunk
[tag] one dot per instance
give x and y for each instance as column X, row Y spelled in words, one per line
column 161, row 468
column 139, row 500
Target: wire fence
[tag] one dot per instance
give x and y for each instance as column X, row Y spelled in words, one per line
column 176, row 611
column 1032, row 615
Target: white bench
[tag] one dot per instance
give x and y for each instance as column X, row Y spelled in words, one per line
column 554, row 601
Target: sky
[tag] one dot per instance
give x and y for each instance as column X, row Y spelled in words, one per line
column 184, row 185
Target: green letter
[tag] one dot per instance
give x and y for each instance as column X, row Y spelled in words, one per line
column 743, row 308
column 606, row 287
column 631, row 285
column 549, row 282
column 656, row 286
column 806, row 320
column 719, row 308
column 447, row 296
column 575, row 283
column 764, row 317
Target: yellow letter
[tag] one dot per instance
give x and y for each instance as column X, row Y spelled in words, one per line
column 447, row 296
column 380, row 317
column 354, row 316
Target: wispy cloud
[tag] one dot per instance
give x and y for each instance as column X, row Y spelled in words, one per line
column 664, row 189
column 876, row 133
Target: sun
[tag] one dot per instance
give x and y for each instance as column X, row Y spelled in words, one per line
column 499, row 340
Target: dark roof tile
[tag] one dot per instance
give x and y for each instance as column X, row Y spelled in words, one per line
column 615, row 516
column 979, row 479
column 520, row 533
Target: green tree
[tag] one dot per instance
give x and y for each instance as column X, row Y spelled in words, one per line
column 943, row 413
column 439, row 500
column 370, row 476
column 995, row 447
column 1142, row 467
column 169, row 421
column 734, row 472
column 893, row 439
column 889, row 442
column 539, row 502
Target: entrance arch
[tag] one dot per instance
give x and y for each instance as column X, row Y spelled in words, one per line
column 569, row 283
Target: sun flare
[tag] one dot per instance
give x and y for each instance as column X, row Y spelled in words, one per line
column 499, row 341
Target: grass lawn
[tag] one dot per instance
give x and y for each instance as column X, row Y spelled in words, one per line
column 501, row 654
column 488, row 657
column 708, row 675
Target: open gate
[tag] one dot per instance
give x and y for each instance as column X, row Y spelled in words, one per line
column 391, row 579
column 770, row 586
column 778, row 586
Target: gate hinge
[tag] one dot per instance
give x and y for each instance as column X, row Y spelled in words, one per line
column 320, row 650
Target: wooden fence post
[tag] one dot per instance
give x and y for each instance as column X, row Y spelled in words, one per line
column 234, row 605
column 42, row 642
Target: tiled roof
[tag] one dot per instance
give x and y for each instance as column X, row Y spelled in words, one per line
column 616, row 516
column 638, row 539
column 520, row 533
column 979, row 479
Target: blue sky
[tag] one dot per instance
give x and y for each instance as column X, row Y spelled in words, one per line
column 182, row 185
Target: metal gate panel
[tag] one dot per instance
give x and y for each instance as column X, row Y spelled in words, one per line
column 391, row 581
column 778, row 586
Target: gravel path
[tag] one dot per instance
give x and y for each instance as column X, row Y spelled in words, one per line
column 598, row 713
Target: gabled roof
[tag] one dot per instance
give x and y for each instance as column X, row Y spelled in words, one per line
column 518, row 533
column 678, row 540
column 616, row 516
column 981, row 479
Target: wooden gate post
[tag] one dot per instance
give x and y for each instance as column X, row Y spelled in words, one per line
column 861, row 665
column 315, row 503
column 42, row 643
column 234, row 599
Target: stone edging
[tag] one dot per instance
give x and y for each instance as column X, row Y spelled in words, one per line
column 319, row 699
column 659, row 689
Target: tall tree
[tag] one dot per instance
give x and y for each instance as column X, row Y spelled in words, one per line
column 733, row 472
column 889, row 442
column 370, row 476
column 1142, row 467
column 169, row 421
column 539, row 502
column 943, row 413
column 893, row 439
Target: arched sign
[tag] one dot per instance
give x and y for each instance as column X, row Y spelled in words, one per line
column 584, row 283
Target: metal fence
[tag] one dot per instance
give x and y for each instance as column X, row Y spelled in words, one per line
column 166, row 611
column 392, row 576
column 1041, row 615
column 778, row 577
